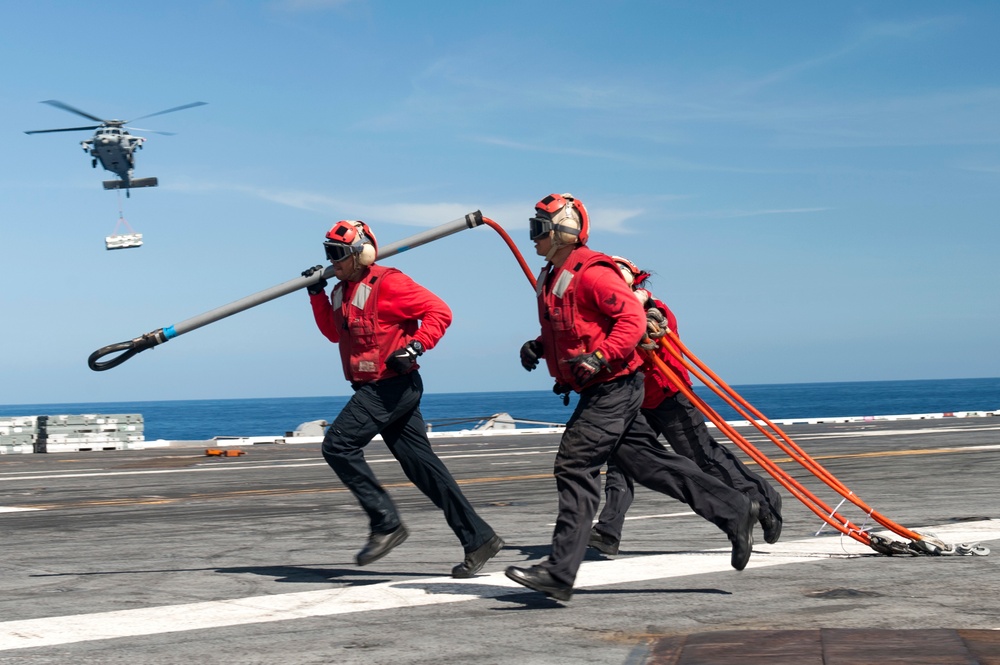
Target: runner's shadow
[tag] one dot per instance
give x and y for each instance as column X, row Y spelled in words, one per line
column 526, row 599
column 534, row 600
column 531, row 551
column 306, row 575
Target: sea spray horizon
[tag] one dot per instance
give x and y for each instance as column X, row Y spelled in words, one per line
column 204, row 419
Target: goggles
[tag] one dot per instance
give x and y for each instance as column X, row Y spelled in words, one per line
column 539, row 227
column 337, row 251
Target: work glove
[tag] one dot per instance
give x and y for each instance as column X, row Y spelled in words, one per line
column 318, row 287
column 656, row 323
column 531, row 351
column 403, row 360
column 587, row 366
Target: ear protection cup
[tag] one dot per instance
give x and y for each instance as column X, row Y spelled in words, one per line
column 367, row 255
column 627, row 274
column 570, row 222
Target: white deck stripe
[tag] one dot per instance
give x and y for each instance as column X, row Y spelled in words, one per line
column 414, row 593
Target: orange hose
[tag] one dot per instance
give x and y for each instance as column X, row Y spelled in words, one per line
column 810, row 500
column 799, row 455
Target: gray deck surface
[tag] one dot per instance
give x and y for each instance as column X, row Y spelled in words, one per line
column 169, row 556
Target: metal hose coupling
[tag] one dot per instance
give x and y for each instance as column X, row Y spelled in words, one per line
column 130, row 348
column 928, row 545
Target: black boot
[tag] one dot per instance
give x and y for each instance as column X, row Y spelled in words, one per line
column 770, row 521
column 539, row 579
column 477, row 558
column 603, row 543
column 380, row 544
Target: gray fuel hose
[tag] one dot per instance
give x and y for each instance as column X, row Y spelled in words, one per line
column 161, row 335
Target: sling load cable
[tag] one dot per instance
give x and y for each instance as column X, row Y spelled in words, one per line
column 921, row 543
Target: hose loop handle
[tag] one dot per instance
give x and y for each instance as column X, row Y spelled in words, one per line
column 130, row 348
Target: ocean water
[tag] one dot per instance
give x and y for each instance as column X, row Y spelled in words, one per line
column 204, row 419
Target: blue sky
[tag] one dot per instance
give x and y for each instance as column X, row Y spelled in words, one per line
column 815, row 186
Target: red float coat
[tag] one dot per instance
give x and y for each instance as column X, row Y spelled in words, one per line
column 658, row 386
column 585, row 306
column 376, row 316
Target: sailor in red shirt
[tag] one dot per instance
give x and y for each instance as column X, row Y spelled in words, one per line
column 591, row 323
column 382, row 321
column 672, row 415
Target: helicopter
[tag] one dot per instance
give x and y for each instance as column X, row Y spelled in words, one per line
column 112, row 145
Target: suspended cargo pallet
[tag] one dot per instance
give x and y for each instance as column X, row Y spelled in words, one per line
column 123, row 241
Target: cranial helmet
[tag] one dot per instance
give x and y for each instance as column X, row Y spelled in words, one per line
column 351, row 238
column 633, row 275
column 564, row 217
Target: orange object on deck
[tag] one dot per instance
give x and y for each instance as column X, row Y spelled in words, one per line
column 218, row 452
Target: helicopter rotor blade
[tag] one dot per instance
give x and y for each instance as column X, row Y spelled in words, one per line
column 71, row 109
column 153, row 131
column 176, row 108
column 67, row 129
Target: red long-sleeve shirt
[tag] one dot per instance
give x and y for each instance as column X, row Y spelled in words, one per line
column 404, row 311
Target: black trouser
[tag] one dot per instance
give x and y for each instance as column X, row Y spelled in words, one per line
column 607, row 425
column 392, row 408
column 683, row 426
